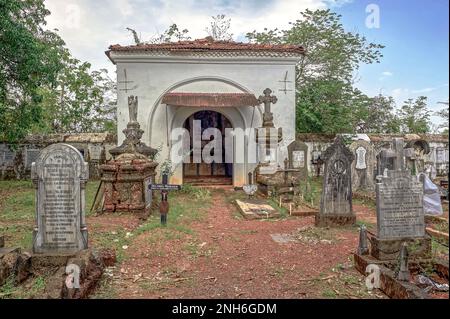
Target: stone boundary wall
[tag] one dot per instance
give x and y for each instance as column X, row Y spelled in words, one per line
column 438, row 143
column 16, row 163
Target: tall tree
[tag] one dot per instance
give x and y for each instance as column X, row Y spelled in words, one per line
column 30, row 57
column 380, row 116
column 332, row 57
column 415, row 116
column 443, row 114
column 81, row 101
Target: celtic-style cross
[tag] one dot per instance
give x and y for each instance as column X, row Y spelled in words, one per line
column 267, row 99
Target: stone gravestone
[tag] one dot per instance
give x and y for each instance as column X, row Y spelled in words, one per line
column 6, row 156
column 363, row 166
column 336, row 200
column 95, row 152
column 298, row 158
column 60, row 175
column 399, row 206
column 400, row 214
column 30, row 157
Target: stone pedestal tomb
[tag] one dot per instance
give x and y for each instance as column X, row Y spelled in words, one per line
column 60, row 175
column 126, row 177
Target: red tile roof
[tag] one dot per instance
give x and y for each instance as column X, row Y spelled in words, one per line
column 207, row 44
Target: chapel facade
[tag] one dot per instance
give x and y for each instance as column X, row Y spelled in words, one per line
column 217, row 84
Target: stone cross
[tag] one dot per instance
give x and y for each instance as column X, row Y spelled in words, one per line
column 399, row 161
column 267, row 99
column 60, row 175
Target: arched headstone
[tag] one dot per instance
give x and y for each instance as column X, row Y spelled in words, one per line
column 336, row 200
column 59, row 175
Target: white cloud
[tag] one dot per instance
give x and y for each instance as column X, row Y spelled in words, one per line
column 387, row 73
column 97, row 24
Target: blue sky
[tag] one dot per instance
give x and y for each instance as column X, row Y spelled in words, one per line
column 416, row 57
column 415, row 33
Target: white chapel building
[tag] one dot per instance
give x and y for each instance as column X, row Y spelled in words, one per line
column 216, row 82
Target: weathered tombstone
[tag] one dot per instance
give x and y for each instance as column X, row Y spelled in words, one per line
column 363, row 166
column 298, row 158
column 336, row 200
column 399, row 206
column 60, row 175
column 400, row 214
column 385, row 161
column 95, row 151
column 6, row 156
column 31, row 156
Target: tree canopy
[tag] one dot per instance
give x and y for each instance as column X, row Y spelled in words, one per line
column 42, row 87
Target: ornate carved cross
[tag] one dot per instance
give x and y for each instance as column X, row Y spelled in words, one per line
column 267, row 99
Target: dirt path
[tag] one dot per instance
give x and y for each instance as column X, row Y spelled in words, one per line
column 228, row 257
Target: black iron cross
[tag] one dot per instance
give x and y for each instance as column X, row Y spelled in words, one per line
column 126, row 82
column 164, row 187
column 285, row 81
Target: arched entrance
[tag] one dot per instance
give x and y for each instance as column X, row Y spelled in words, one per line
column 207, row 172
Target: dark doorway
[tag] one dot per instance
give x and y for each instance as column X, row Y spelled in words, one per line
column 205, row 173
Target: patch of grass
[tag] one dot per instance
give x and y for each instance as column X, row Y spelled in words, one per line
column 310, row 190
column 248, row 231
column 17, row 200
column 91, row 190
column 115, row 240
column 32, row 288
column 198, row 193
column 283, row 211
column 328, row 293
column 278, row 272
column 10, row 185
column 164, row 283
column 18, row 235
column 105, row 289
column 183, row 211
column 439, row 250
column 319, row 233
column 368, row 225
column 18, row 205
column 8, row 289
